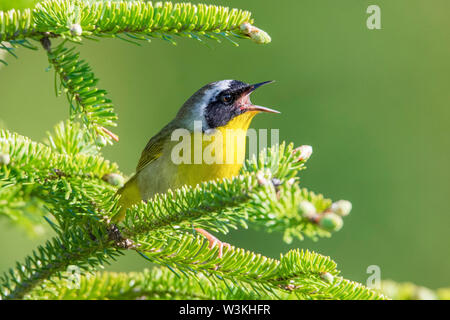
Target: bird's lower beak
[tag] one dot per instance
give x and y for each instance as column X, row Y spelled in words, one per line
column 252, row 107
column 260, row 109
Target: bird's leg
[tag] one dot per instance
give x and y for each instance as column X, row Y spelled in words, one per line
column 213, row 240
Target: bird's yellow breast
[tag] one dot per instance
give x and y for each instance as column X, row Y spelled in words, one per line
column 222, row 153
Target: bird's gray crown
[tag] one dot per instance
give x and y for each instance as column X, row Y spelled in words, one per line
column 195, row 108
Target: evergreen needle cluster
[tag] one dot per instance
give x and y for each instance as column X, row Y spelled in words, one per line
column 66, row 183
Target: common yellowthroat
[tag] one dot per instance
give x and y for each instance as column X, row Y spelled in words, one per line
column 213, row 112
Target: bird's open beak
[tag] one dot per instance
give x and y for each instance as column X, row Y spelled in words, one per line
column 252, row 107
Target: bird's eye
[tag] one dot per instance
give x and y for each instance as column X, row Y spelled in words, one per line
column 227, row 98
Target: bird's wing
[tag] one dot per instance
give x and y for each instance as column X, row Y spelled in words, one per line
column 154, row 148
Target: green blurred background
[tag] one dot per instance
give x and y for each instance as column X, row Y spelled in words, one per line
column 374, row 104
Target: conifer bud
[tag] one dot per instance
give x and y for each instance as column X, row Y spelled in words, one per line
column 291, row 181
column 331, row 222
column 342, row 207
column 263, row 177
column 422, row 293
column 307, row 208
column 326, row 276
column 4, row 159
column 305, row 152
column 100, row 141
column 114, row 179
column 76, row 30
column 276, row 182
column 257, row 35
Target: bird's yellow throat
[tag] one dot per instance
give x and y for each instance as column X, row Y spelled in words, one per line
column 222, row 152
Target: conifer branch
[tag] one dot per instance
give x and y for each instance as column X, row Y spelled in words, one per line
column 306, row 274
column 36, row 176
column 16, row 25
column 136, row 20
column 73, row 248
column 37, row 159
column 70, row 138
column 86, row 101
column 157, row 283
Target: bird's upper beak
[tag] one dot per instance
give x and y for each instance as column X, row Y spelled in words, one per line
column 252, row 107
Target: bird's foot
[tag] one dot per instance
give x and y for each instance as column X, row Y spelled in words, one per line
column 213, row 241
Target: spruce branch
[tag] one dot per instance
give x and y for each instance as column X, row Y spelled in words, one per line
column 136, row 20
column 37, row 159
column 86, row 101
column 73, row 248
column 161, row 283
column 299, row 272
column 20, row 208
column 157, row 283
column 16, row 25
column 70, row 138
column 36, row 176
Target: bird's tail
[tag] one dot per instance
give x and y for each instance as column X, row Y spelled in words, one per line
column 129, row 195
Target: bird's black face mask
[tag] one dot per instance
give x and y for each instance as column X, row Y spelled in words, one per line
column 232, row 102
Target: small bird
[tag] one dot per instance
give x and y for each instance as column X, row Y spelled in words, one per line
column 211, row 113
